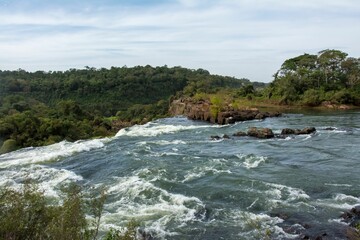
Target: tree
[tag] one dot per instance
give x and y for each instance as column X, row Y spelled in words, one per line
column 351, row 68
column 330, row 63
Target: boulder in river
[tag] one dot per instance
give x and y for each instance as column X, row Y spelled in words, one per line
column 307, row 130
column 240, row 134
column 260, row 132
column 290, row 131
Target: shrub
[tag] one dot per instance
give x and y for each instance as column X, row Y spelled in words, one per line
column 129, row 234
column 343, row 96
column 311, row 97
column 26, row 214
column 8, row 146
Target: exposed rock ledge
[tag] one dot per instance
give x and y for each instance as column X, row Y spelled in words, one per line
column 268, row 133
column 201, row 110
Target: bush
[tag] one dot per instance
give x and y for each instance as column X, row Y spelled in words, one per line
column 8, row 146
column 343, row 97
column 26, row 214
column 129, row 234
column 311, row 97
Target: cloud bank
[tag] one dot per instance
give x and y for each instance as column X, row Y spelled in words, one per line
column 243, row 38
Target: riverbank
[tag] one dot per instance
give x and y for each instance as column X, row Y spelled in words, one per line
column 74, row 125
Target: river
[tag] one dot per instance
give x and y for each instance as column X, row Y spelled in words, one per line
column 177, row 183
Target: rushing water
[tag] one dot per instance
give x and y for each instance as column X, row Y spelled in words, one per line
column 179, row 184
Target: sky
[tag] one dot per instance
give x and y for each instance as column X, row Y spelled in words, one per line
column 239, row 38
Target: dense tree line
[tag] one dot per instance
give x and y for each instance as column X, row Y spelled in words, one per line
column 311, row 79
column 39, row 108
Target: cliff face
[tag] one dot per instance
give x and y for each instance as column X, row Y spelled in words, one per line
column 196, row 110
column 201, row 110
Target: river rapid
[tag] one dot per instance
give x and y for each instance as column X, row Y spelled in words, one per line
column 177, row 183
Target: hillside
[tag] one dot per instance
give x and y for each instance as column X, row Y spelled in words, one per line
column 40, row 108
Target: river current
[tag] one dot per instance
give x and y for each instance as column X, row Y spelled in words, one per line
column 169, row 176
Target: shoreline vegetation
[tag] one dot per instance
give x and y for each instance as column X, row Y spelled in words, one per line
column 42, row 108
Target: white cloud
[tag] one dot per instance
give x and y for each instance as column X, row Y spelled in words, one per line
column 239, row 38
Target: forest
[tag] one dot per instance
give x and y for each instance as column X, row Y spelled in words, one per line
column 41, row 108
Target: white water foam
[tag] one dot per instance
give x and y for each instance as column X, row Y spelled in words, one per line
column 333, row 130
column 154, row 129
column 344, row 197
column 48, row 179
column 251, row 161
column 162, row 142
column 140, row 199
column 192, row 176
column 281, row 194
column 49, row 153
column 339, row 201
column 257, row 226
column 338, row 185
column 214, row 166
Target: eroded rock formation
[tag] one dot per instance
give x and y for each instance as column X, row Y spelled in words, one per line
column 204, row 110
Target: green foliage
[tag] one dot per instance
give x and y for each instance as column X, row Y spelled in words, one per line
column 8, row 146
column 343, row 96
column 353, row 233
column 23, row 215
column 217, row 104
column 26, row 214
column 308, row 79
column 246, row 90
column 261, row 230
column 311, row 97
column 42, row 108
column 129, row 234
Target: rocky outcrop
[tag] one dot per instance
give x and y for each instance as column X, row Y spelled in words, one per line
column 202, row 110
column 352, row 217
column 331, row 105
column 268, row 133
column 240, row 134
column 260, row 132
column 289, row 131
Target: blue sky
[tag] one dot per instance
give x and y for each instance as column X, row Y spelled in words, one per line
column 241, row 38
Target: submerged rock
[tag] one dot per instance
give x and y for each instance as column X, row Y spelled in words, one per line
column 214, row 137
